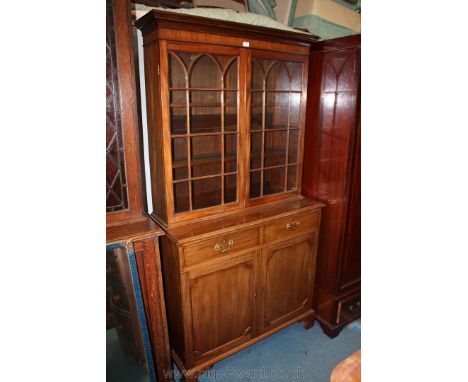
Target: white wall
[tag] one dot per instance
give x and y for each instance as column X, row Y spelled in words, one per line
column 141, row 70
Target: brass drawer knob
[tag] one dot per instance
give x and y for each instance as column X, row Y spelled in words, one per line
column 293, row 225
column 219, row 248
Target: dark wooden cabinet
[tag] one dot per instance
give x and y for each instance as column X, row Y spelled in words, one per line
column 124, row 186
column 127, row 223
column 141, row 241
column 226, row 115
column 332, row 175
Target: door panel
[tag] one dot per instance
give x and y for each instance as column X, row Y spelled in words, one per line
column 222, row 309
column 204, row 126
column 289, row 276
column 275, row 122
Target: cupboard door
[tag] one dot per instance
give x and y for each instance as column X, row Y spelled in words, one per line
column 222, row 304
column 204, row 125
column 276, row 105
column 289, row 272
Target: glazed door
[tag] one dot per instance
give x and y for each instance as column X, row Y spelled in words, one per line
column 277, row 107
column 203, row 116
column 222, row 306
column 288, row 278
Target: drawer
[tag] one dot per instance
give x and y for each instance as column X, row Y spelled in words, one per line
column 222, row 245
column 291, row 226
column 349, row 308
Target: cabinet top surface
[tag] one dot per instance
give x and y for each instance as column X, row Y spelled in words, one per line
column 204, row 24
column 133, row 231
column 242, row 219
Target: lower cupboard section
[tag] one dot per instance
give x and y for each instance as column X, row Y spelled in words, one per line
column 220, row 306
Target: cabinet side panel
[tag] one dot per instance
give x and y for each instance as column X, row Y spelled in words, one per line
column 150, row 275
column 170, row 262
column 155, row 129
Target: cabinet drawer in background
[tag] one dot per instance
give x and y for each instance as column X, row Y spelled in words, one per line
column 349, row 308
column 221, row 245
column 290, row 226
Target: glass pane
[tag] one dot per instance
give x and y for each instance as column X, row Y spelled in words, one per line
column 181, row 197
column 205, row 120
column 206, row 155
column 176, row 72
column 273, row 180
column 275, row 148
column 179, row 158
column 295, row 111
column 292, row 178
column 178, row 120
column 257, row 75
column 206, row 192
column 277, row 110
column 256, row 118
column 205, row 73
column 230, row 119
column 230, row 153
column 230, row 78
column 295, row 70
column 230, row 98
column 230, row 188
column 278, row 78
column 255, row 150
column 257, row 99
column 255, row 178
column 178, row 98
column 208, row 98
column 293, row 146
column 116, row 183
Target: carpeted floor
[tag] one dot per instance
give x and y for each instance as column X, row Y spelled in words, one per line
column 293, row 354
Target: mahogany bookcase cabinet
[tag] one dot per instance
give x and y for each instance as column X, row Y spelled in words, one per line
column 226, row 106
column 332, row 175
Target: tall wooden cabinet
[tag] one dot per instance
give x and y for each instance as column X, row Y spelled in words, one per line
column 226, row 105
column 332, row 175
column 127, row 222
